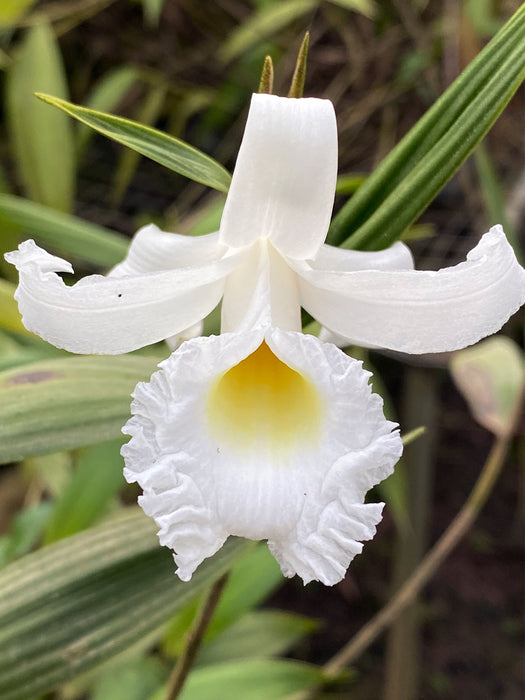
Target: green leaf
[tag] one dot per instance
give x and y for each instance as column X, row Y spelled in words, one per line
column 95, row 482
column 394, row 492
column 41, row 140
column 494, row 198
column 491, row 377
column 417, row 168
column 262, row 25
column 394, row 489
column 66, row 234
column 482, row 15
column 106, row 95
column 9, row 315
column 12, row 10
column 205, row 220
column 257, row 635
column 413, row 435
column 25, row 531
column 364, row 7
column 349, row 183
column 254, row 679
column 152, row 10
column 49, row 473
column 134, row 680
column 19, row 351
column 148, row 114
column 8, row 345
column 66, row 402
column 166, row 150
column 251, row 581
column 77, row 603
column 255, row 577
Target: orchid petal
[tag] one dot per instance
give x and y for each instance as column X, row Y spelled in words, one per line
column 283, row 184
column 262, row 291
column 330, row 258
column 419, row 311
column 112, row 315
column 174, row 341
column 153, row 250
column 292, row 467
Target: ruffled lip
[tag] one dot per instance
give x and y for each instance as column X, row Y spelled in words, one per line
column 309, row 504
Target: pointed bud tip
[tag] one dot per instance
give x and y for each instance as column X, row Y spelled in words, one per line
column 299, row 76
column 266, row 82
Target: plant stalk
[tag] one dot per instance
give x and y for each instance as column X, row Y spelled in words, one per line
column 194, row 640
column 429, row 565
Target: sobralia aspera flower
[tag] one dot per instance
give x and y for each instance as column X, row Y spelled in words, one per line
column 262, row 431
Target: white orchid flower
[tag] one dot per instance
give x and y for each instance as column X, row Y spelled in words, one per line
column 264, row 432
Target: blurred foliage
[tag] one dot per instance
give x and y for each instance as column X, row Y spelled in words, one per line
column 491, row 377
column 186, row 70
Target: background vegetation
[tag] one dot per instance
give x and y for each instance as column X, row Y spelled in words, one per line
column 188, row 68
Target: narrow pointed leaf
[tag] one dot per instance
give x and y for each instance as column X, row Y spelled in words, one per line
column 136, row 679
column 105, row 96
column 148, row 114
column 251, row 581
column 42, row 142
column 72, row 605
column 95, row 481
column 494, row 198
column 65, row 234
column 417, row 168
column 166, row 150
column 364, row 7
column 257, row 635
column 263, row 24
column 66, row 402
column 253, row 679
column 25, row 531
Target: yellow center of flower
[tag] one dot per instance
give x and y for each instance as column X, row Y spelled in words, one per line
column 261, row 402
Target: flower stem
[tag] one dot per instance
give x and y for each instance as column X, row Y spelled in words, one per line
column 194, row 640
column 450, row 538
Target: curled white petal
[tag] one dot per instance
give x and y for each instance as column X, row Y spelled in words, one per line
column 332, row 259
column 153, row 250
column 112, row 315
column 419, row 311
column 194, row 331
column 328, row 336
column 329, row 258
column 283, row 185
column 295, row 472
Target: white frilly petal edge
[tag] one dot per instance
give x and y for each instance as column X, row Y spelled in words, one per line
column 112, row 315
column 419, row 311
column 199, row 489
column 283, row 185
